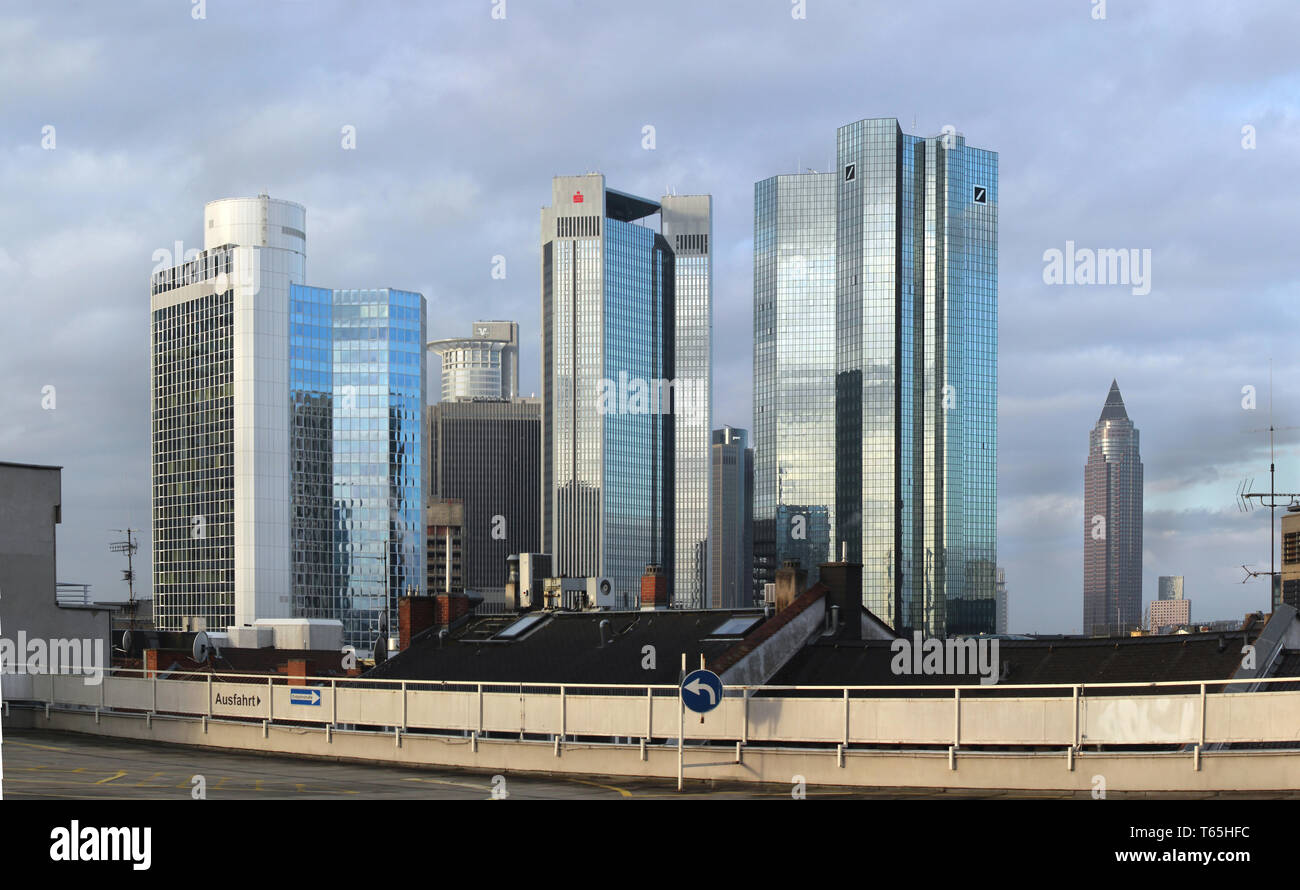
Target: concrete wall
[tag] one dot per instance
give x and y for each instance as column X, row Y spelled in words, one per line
column 30, row 505
column 1020, row 771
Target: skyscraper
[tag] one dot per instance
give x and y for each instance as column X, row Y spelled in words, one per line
column 219, row 392
column 358, row 477
column 483, row 365
column 794, row 371
column 608, row 391
column 731, row 521
column 916, row 374
column 1112, row 523
column 688, row 229
column 288, row 443
column 875, row 355
column 1170, row 587
column 486, row 453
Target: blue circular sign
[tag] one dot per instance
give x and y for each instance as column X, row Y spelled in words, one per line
column 702, row 691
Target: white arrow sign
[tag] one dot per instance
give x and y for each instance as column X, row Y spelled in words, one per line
column 699, row 686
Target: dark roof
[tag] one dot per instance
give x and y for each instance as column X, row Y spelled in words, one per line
column 1114, row 407
column 564, row 647
column 21, row 466
column 1209, row 656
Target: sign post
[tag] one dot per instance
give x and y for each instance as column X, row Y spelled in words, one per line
column 701, row 691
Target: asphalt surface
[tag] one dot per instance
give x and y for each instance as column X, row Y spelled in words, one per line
column 40, row 764
column 53, row 765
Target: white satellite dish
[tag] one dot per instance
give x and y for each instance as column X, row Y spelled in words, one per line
column 202, row 647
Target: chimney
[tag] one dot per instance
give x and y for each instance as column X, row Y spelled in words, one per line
column 414, row 614
column 843, row 581
column 790, row 579
column 512, row 584
column 654, row 588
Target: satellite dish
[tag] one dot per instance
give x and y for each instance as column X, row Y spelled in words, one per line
column 126, row 641
column 202, row 647
column 381, row 650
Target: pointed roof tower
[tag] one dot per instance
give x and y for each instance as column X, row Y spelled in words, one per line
column 1114, row 407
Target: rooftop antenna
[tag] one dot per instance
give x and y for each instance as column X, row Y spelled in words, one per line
column 1244, row 497
column 129, row 546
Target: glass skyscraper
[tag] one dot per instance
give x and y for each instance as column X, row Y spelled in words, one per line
column 688, row 229
column 607, row 349
column 794, row 371
column 357, row 364
column 1112, row 523
column 875, row 285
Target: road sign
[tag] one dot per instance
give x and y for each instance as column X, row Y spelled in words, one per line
column 702, row 691
column 304, row 697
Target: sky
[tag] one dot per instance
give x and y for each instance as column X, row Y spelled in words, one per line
column 1168, row 127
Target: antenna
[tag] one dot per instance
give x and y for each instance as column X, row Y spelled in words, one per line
column 1243, row 497
column 129, row 546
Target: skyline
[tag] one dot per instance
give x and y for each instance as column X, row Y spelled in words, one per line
column 1067, row 157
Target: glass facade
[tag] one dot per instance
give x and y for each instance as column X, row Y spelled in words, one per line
column 687, row 227
column 357, row 362
column 607, row 319
column 916, row 388
column 794, row 368
column 1112, row 523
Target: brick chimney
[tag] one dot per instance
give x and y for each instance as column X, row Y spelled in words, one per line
column 414, row 614
column 844, row 589
column 448, row 607
column 654, row 588
column 790, row 580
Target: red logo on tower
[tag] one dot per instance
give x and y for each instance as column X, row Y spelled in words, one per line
column 577, row 197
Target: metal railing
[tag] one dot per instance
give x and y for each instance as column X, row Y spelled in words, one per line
column 1124, row 715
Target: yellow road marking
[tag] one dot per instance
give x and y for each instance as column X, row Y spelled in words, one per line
column 31, row 745
column 623, row 792
column 120, row 774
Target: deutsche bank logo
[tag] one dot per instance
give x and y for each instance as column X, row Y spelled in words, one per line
column 981, row 195
column 850, row 172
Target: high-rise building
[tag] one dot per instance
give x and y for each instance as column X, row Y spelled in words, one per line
column 1112, row 523
column 484, row 365
column 1170, row 587
column 288, row 442
column 794, row 370
column 916, row 374
column 357, row 384
column 731, row 523
column 688, row 229
column 221, row 455
column 875, row 356
column 609, row 394
column 445, row 524
column 1171, row 612
column 1001, row 624
column 486, row 453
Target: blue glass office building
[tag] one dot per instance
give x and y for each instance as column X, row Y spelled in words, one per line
column 875, row 360
column 916, row 374
column 607, row 321
column 357, row 371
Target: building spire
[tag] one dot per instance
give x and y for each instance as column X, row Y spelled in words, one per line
column 1114, row 407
